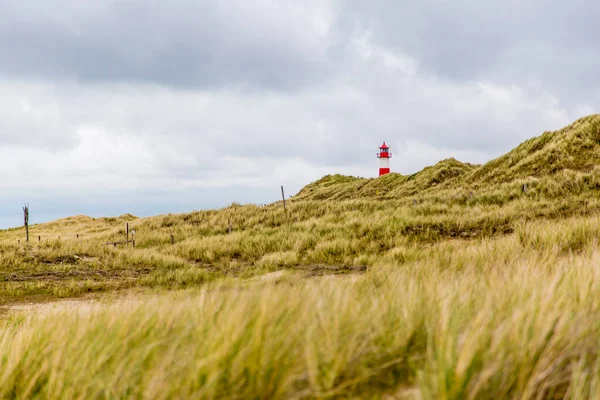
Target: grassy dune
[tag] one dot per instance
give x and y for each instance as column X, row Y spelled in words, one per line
column 452, row 283
column 489, row 320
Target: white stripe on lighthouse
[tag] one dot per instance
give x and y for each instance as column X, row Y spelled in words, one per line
column 384, row 163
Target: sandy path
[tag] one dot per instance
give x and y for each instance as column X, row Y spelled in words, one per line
column 79, row 304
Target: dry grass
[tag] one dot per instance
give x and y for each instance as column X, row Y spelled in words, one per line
column 453, row 283
column 334, row 236
column 573, row 150
column 451, row 328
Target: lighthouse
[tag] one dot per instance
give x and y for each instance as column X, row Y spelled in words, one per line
column 384, row 156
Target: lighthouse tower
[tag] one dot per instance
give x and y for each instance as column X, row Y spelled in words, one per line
column 384, row 156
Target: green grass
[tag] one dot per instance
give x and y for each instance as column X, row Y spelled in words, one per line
column 334, row 236
column 573, row 150
column 479, row 323
column 452, row 283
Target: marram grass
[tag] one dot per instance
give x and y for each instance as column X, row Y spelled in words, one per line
column 519, row 329
column 459, row 282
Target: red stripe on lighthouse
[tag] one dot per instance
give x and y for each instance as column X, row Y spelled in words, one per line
column 383, row 171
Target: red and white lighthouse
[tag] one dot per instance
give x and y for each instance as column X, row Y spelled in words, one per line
column 384, row 156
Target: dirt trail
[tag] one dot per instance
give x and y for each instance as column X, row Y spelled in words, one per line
column 79, row 304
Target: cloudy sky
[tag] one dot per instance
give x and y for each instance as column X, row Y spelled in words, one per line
column 150, row 107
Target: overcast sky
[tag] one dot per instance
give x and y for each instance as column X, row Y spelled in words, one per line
column 150, row 107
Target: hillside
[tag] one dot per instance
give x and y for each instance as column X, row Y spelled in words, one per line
column 452, row 283
column 336, row 224
column 393, row 185
column 574, row 149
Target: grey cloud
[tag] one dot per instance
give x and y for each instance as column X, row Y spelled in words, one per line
column 31, row 118
column 258, row 45
column 553, row 43
column 183, row 43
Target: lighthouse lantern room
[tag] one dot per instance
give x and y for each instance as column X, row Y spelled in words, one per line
column 384, row 156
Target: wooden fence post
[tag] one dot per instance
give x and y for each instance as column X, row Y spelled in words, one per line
column 283, row 197
column 172, row 237
column 26, row 220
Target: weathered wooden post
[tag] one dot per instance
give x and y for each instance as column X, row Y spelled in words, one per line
column 127, row 233
column 133, row 238
column 26, row 220
column 229, row 226
column 283, row 197
column 172, row 237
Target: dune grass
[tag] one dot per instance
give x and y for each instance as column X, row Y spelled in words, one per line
column 505, row 316
column 482, row 322
column 312, row 237
column 459, row 282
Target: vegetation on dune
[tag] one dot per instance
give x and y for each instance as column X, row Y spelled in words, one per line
column 574, row 149
column 312, row 237
column 503, row 318
column 457, row 282
column 393, row 185
column 337, row 224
